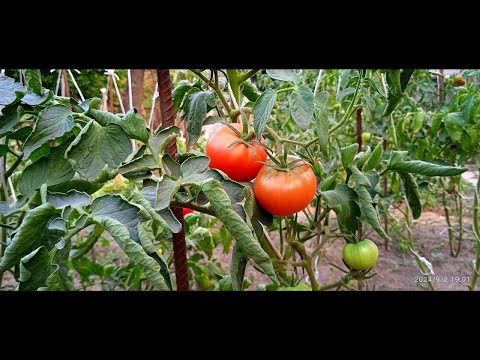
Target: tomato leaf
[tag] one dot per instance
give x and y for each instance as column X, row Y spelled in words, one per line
column 284, row 75
column 412, row 192
column 321, row 99
column 418, row 120
column 394, row 91
column 195, row 111
column 73, row 198
column 425, row 168
column 405, row 76
column 34, row 270
column 86, row 245
column 96, row 147
column 365, row 203
column 329, row 182
column 9, row 89
column 134, row 251
column 33, row 99
column 59, row 279
column 116, row 207
column 342, row 201
column 171, row 166
column 237, row 268
column 160, row 140
column 146, row 239
column 34, row 80
column 262, row 110
column 140, row 199
column 145, row 163
column 132, row 123
column 454, row 124
column 33, row 229
column 166, row 190
column 374, row 158
column 344, row 94
column 302, row 106
column 359, row 178
column 52, row 123
column 348, row 153
column 8, row 119
column 51, row 170
column 240, row 231
column 179, row 93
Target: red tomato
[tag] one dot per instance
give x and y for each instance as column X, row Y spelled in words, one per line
column 187, row 211
column 238, row 162
column 283, row 193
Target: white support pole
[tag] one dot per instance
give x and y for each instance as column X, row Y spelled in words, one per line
column 75, row 84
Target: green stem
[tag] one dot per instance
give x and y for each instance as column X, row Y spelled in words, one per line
column 460, row 221
column 307, row 264
column 233, row 79
column 12, row 168
column 351, row 107
column 244, row 77
column 391, row 124
column 7, row 226
column 3, row 197
column 449, row 224
column 476, row 231
column 203, row 209
column 281, row 236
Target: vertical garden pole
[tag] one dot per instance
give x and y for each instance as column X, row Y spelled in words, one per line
column 168, row 119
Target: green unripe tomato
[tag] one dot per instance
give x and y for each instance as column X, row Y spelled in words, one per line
column 336, row 107
column 366, row 136
column 361, row 255
column 299, row 287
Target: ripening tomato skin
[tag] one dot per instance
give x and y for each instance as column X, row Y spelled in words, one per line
column 238, row 162
column 283, row 193
column 187, row 211
column 361, row 255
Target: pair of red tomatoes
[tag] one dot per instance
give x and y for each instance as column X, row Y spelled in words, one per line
column 280, row 192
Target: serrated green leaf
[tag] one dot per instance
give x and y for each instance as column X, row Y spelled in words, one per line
column 34, row 80
column 284, row 75
column 418, row 121
column 59, row 278
column 31, row 230
column 369, row 101
column 249, row 90
column 166, row 190
column 171, row 166
column 34, row 270
column 173, row 224
column 96, row 146
column 342, row 201
column 89, row 104
column 321, row 99
column 116, row 207
column 359, row 178
column 412, row 191
column 395, row 94
column 362, row 157
column 425, row 168
column 344, row 94
column 179, row 93
column 195, row 165
column 454, row 124
column 159, row 141
column 374, row 86
column 405, row 76
column 9, row 89
column 51, row 170
column 132, row 123
column 240, row 231
column 262, row 110
column 52, row 123
column 237, row 268
column 374, row 158
column 33, row 99
column 348, row 153
column 366, row 204
column 141, row 199
column 302, row 106
column 329, row 182
column 321, row 118
column 77, row 184
column 22, row 134
column 73, row 198
column 145, row 163
column 8, row 119
column 396, row 157
column 134, row 251
column 86, row 245
column 195, row 112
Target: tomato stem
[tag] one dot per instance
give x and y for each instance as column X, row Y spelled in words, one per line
column 476, row 231
column 244, row 77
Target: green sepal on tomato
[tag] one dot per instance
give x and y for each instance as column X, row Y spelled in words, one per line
column 287, row 191
column 362, row 255
column 240, row 162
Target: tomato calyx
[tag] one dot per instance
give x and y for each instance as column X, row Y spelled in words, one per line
column 282, row 164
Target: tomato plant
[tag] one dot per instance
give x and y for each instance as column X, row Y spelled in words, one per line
column 73, row 175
